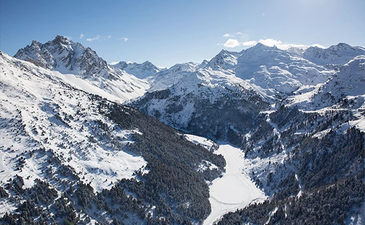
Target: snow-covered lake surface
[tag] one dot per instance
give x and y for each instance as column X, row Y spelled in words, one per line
column 234, row 190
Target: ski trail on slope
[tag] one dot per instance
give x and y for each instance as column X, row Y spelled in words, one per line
column 234, row 190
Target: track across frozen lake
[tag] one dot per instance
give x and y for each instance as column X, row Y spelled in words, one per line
column 234, row 190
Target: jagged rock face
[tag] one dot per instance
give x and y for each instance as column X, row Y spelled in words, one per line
column 95, row 75
column 65, row 56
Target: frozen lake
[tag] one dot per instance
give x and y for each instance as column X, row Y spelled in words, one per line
column 234, row 190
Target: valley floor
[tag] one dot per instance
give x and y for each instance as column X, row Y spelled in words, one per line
column 234, row 190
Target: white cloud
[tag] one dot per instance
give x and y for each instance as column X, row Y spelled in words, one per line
column 239, row 33
column 97, row 37
column 81, row 36
column 228, row 35
column 249, row 43
column 124, row 38
column 284, row 46
column 270, row 42
column 231, row 43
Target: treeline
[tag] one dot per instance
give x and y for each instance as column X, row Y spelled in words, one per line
column 172, row 162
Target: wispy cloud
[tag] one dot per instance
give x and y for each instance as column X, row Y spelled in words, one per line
column 97, row 37
column 81, row 36
column 248, row 43
column 272, row 42
column 124, row 39
column 228, row 35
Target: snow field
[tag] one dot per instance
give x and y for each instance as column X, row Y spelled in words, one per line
column 234, row 190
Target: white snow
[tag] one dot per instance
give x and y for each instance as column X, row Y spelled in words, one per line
column 60, row 119
column 234, row 190
column 206, row 143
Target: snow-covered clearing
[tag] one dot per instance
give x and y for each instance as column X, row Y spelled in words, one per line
column 234, row 190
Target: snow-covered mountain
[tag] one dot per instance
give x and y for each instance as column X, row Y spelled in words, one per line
column 297, row 116
column 220, row 98
column 224, row 60
column 68, row 156
column 278, row 72
column 311, row 146
column 298, row 119
column 347, row 84
column 142, row 71
column 336, row 54
column 83, row 68
column 65, row 56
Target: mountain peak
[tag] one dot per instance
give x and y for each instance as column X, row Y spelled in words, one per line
column 64, row 56
column 141, row 71
column 61, row 40
column 260, row 46
column 341, row 45
column 223, row 60
column 35, row 43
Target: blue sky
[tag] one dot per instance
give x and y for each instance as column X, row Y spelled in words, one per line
column 173, row 31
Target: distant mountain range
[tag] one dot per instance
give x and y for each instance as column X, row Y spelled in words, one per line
column 84, row 142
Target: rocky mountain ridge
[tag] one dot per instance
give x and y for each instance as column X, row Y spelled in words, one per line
column 85, row 69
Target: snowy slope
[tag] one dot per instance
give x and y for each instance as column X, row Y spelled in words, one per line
column 68, row 57
column 349, row 82
column 39, row 111
column 76, row 156
column 278, row 71
column 345, row 91
column 224, row 60
column 168, row 77
column 205, row 102
column 336, row 54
